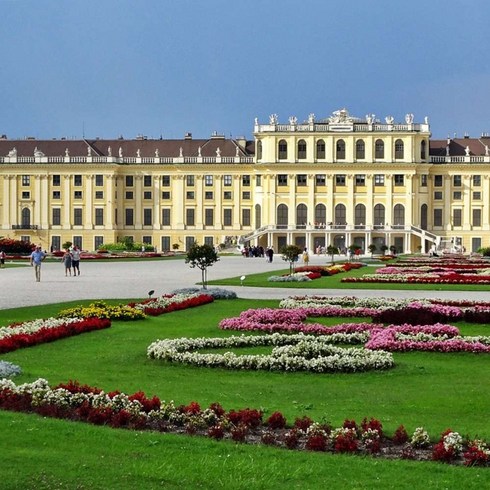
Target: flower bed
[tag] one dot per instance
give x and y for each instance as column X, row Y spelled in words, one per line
column 290, row 353
column 87, row 404
column 16, row 336
column 171, row 302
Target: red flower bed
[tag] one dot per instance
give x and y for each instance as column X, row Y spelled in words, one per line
column 17, row 341
column 153, row 309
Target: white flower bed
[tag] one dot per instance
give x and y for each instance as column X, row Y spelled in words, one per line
column 290, row 353
column 28, row 328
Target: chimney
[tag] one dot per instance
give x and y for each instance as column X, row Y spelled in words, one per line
column 188, row 136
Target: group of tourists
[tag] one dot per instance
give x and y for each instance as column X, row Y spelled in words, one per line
column 71, row 260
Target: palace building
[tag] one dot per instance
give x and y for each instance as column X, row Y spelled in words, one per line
column 339, row 180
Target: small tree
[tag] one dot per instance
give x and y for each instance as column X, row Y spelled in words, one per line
column 393, row 250
column 372, row 249
column 384, row 248
column 332, row 250
column 290, row 253
column 202, row 257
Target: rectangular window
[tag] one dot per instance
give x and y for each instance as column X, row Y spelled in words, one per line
column 320, row 180
column 99, row 216
column 209, row 216
column 78, row 195
column 190, row 180
column 457, row 195
column 282, row 180
column 208, row 180
column 99, row 180
column 129, row 195
column 227, row 180
column 476, row 215
column 476, row 180
column 258, row 180
column 477, row 195
column 147, row 195
column 147, row 180
column 56, row 180
column 301, row 180
column 26, row 195
column 399, row 180
column 189, row 217
column 340, row 180
column 457, row 181
column 360, row 179
column 246, row 195
column 78, row 241
column 423, row 180
column 209, row 240
column 129, row 181
column 77, row 180
column 99, row 194
column 379, row 180
column 166, row 217
column 165, row 243
column 98, row 242
column 147, row 239
column 26, row 180
column 147, row 216
column 165, row 180
column 129, row 217
column 227, row 195
column 437, row 217
column 189, row 195
column 246, row 180
column 56, row 195
column 438, row 195
column 208, row 195
column 246, row 221
column 56, row 216
column 227, row 218
column 438, row 180
column 55, row 242
column 457, row 217
column 77, row 216
column 166, row 195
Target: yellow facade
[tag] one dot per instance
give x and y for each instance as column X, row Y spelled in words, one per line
column 341, row 180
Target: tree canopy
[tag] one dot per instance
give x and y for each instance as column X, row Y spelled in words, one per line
column 202, row 257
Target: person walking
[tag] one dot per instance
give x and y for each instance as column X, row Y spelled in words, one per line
column 306, row 256
column 3, row 255
column 37, row 256
column 75, row 260
column 66, row 259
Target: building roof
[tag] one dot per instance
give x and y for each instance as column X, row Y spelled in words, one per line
column 458, row 146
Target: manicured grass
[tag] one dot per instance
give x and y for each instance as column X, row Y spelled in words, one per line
column 334, row 282
column 436, row 391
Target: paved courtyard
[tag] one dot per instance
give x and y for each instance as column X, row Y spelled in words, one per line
column 99, row 280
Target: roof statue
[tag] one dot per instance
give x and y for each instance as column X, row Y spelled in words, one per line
column 237, row 151
column 89, row 151
column 109, row 151
column 157, row 153
column 389, row 119
column 311, row 118
column 370, row 118
column 138, row 153
column 486, row 151
column 67, row 152
column 199, row 151
column 467, row 151
column 341, row 116
column 273, row 119
column 426, row 119
column 120, row 152
column 293, row 120
column 181, row 152
column 218, row 152
column 38, row 153
column 409, row 118
column 13, row 152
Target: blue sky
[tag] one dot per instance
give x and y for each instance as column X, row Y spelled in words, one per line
column 106, row 68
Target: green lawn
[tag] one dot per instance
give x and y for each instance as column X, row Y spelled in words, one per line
column 334, row 282
column 436, row 391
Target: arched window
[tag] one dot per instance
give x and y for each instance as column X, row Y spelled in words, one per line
column 379, row 149
column 423, row 216
column 360, row 215
column 399, row 215
column 360, row 150
column 301, row 216
column 26, row 218
column 283, row 150
column 340, row 150
column 320, row 149
column 423, row 150
column 320, row 214
column 301, row 149
column 340, row 214
column 282, row 216
column 379, row 215
column 258, row 216
column 259, row 150
column 399, row 150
